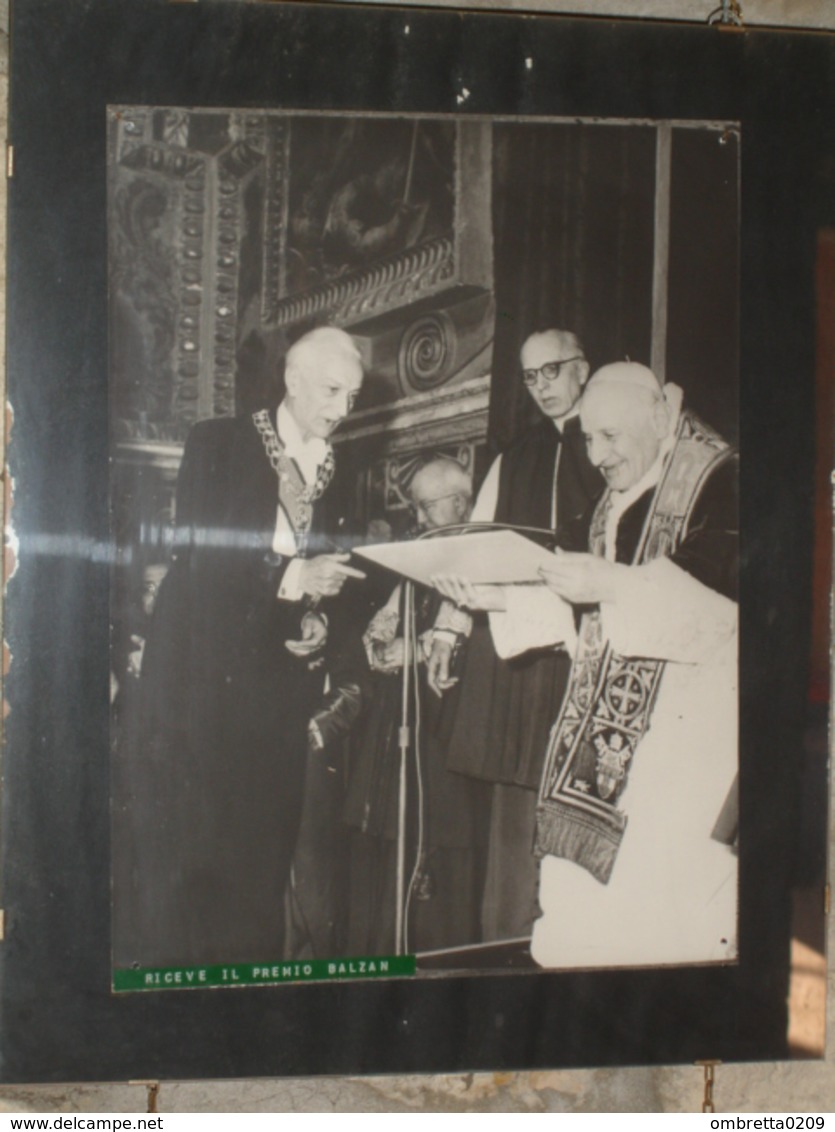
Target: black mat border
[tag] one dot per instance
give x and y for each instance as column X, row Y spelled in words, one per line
column 70, row 59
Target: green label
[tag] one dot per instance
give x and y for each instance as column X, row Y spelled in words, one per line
column 262, row 974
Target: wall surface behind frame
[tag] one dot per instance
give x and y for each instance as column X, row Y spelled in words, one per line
column 798, row 1087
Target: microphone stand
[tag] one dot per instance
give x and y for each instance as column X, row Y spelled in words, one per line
column 404, row 731
column 403, row 742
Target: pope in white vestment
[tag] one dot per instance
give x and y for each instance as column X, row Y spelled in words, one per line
column 634, row 828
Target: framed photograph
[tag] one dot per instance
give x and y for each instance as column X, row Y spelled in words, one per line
column 411, row 517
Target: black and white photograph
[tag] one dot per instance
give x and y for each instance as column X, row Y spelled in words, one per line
column 417, row 635
column 423, row 489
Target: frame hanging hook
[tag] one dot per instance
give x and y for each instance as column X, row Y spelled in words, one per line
column 710, row 1078
column 728, row 14
column 152, row 1091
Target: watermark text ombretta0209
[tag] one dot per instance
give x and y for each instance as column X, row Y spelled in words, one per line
column 757, row 1122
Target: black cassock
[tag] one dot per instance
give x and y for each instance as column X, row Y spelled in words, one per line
column 445, row 818
column 209, row 779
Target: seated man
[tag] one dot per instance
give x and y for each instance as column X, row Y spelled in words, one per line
column 642, row 759
column 443, row 810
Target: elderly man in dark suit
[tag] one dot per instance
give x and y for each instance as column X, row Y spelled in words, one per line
column 210, row 795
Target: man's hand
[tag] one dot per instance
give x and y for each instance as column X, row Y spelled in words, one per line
column 315, row 742
column 314, row 635
column 388, row 656
column 437, row 667
column 134, row 666
column 487, row 599
column 582, row 579
column 325, row 575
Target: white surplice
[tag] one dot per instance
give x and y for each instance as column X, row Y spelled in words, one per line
column 672, row 896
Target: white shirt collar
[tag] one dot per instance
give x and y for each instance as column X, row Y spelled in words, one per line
column 308, row 454
column 559, row 423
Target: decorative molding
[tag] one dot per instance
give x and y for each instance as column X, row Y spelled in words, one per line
column 189, row 356
column 426, row 350
column 144, row 285
column 235, row 165
column 472, row 427
column 387, row 284
column 277, row 139
column 249, row 127
column 177, row 248
column 239, row 160
column 453, row 413
column 175, row 127
column 134, row 129
column 160, row 268
column 169, row 161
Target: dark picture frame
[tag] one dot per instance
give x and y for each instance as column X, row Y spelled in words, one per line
column 70, row 62
column 409, row 235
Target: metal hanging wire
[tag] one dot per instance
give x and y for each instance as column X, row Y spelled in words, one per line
column 728, row 14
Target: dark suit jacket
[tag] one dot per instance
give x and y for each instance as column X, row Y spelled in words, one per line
column 212, row 790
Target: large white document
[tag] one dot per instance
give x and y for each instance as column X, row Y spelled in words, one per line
column 484, row 557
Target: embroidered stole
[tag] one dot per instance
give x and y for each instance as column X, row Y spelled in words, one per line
column 295, row 496
column 609, row 701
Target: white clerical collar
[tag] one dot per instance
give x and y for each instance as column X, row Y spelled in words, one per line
column 308, row 454
column 559, row 423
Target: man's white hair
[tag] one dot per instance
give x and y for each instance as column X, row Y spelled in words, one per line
column 325, row 340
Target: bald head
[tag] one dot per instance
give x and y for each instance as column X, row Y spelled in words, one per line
column 554, row 340
column 323, row 376
column 554, row 369
column 625, row 420
column 441, row 492
column 631, row 375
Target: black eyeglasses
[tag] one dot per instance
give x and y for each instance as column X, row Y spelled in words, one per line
column 550, row 371
column 427, row 506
